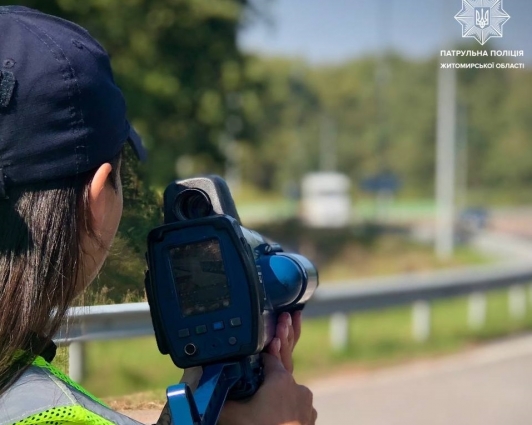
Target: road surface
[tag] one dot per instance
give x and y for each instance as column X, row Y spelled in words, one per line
column 488, row 386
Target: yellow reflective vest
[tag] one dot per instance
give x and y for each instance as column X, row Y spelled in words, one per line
column 44, row 395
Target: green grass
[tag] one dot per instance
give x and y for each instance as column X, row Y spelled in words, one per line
column 127, row 366
column 277, row 208
column 377, row 338
column 384, row 337
column 391, row 255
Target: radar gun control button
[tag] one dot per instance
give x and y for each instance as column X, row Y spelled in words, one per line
column 235, row 321
column 183, row 333
column 201, row 329
column 218, row 326
column 190, row 349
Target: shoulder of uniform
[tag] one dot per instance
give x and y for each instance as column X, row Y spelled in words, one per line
column 34, row 392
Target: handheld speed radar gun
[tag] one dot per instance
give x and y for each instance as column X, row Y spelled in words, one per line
column 215, row 291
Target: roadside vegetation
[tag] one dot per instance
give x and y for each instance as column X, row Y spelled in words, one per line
column 117, row 370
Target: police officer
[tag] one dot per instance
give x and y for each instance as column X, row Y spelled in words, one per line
column 63, row 127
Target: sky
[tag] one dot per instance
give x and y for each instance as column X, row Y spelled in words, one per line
column 333, row 31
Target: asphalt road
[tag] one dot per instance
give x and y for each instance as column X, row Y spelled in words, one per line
column 488, row 386
column 491, row 385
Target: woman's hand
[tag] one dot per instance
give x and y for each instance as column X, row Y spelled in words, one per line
column 287, row 334
column 279, row 400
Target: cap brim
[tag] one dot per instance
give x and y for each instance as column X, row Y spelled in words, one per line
column 136, row 143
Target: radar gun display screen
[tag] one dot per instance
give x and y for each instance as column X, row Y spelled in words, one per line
column 199, row 277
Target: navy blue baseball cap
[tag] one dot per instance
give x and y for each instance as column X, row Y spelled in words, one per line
column 61, row 113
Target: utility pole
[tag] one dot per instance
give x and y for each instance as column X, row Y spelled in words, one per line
column 445, row 161
column 383, row 197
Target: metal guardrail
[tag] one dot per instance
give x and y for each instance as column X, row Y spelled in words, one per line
column 102, row 322
column 378, row 293
column 133, row 320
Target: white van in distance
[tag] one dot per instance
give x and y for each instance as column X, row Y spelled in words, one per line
column 326, row 200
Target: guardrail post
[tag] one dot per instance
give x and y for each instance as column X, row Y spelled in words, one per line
column 421, row 321
column 76, row 361
column 517, row 302
column 476, row 313
column 339, row 331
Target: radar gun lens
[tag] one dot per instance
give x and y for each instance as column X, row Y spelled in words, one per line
column 191, row 204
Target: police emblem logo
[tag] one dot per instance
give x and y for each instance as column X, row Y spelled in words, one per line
column 482, row 19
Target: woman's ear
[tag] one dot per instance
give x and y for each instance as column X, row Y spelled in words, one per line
column 97, row 196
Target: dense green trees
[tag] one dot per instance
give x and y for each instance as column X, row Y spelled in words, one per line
column 392, row 125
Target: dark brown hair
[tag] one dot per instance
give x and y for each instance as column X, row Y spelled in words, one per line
column 41, row 230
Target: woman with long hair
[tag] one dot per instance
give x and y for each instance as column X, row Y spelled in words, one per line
column 63, row 127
